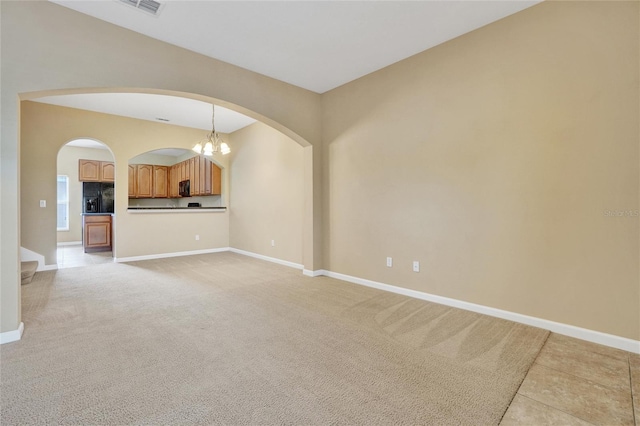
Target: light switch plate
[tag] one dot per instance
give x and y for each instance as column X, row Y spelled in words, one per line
column 43, row 203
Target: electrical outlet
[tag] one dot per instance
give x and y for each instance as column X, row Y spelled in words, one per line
column 416, row 266
column 389, row 262
column 273, row 243
column 197, row 237
column 43, row 203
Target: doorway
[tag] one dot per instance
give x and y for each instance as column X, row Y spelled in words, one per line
column 85, row 203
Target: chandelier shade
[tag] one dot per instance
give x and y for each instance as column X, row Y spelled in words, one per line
column 212, row 142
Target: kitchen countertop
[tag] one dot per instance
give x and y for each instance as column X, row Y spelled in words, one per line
column 176, row 209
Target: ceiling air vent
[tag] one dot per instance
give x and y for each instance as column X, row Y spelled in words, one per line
column 150, row 6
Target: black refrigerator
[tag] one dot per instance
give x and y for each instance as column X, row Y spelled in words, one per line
column 97, row 197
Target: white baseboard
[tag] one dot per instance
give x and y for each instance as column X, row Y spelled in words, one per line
column 611, row 340
column 47, row 268
column 164, row 255
column 70, row 243
column 27, row 255
column 267, row 258
column 310, row 273
column 12, row 336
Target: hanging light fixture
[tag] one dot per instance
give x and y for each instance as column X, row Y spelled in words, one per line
column 213, row 142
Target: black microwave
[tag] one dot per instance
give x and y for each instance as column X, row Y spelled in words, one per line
column 184, row 188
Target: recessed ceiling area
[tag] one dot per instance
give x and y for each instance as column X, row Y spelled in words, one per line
column 86, row 143
column 90, row 143
column 317, row 45
column 159, row 108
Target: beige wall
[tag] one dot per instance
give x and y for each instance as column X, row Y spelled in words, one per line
column 134, row 234
column 68, row 158
column 92, row 55
column 491, row 159
column 89, row 55
column 266, row 193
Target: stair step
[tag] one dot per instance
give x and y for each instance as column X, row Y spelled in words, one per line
column 27, row 271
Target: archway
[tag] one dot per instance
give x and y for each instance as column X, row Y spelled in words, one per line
column 85, row 203
column 309, row 223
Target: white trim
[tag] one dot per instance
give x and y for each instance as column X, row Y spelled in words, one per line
column 12, row 336
column 174, row 254
column 47, row 268
column 611, row 340
column 267, row 258
column 27, row 255
column 65, row 202
column 70, row 243
column 310, row 273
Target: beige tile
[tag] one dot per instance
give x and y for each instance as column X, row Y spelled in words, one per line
column 570, row 358
column 525, row 411
column 634, row 364
column 579, row 397
column 584, row 346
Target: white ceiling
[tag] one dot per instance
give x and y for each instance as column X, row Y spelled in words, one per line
column 179, row 111
column 90, row 143
column 317, row 45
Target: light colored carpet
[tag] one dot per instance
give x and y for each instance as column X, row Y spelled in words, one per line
column 227, row 339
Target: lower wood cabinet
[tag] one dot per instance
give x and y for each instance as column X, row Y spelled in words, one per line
column 96, row 233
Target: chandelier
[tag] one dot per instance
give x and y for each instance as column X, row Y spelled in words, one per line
column 213, row 142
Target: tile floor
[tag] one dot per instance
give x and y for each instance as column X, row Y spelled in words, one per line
column 73, row 256
column 574, row 382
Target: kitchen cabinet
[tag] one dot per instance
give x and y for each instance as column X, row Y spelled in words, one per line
column 212, row 179
column 96, row 171
column 132, row 181
column 97, row 233
column 192, row 172
column 89, row 170
column 173, row 182
column 216, row 180
column 144, row 181
column 107, row 171
column 160, row 182
column 183, row 171
column 195, row 176
column 153, row 181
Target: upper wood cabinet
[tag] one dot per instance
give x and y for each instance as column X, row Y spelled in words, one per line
column 152, row 181
column 132, row 181
column 216, row 180
column 144, row 181
column 108, row 171
column 160, row 181
column 96, row 171
column 89, row 171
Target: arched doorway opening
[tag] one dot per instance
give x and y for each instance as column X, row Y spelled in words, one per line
column 125, row 145
column 85, row 208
